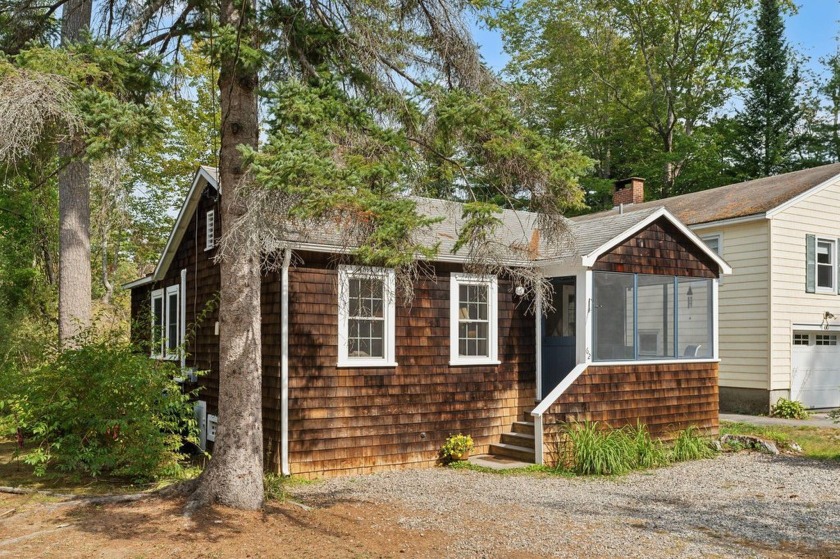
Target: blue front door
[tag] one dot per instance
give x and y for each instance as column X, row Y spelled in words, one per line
column 558, row 335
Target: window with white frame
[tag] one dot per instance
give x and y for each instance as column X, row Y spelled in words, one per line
column 158, row 321
column 366, row 317
column 713, row 242
column 166, row 323
column 825, row 264
column 473, row 320
column 211, row 230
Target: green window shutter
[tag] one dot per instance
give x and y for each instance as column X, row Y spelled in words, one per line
column 810, row 263
column 837, row 268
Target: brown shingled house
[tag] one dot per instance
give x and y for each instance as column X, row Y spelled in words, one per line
column 354, row 381
column 779, row 311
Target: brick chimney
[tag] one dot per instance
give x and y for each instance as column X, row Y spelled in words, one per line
column 629, row 191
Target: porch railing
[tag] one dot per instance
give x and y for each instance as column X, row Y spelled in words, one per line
column 547, row 402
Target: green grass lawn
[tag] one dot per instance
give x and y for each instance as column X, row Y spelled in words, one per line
column 821, row 443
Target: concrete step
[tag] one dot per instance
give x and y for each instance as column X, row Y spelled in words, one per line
column 524, row 440
column 512, row 451
column 523, row 427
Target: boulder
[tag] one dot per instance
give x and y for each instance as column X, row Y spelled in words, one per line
column 750, row 441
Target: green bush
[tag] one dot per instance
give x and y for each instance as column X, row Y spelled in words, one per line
column 789, row 409
column 101, row 408
column 691, row 445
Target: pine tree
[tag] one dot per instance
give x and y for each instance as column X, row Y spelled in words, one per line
column 831, row 90
column 766, row 140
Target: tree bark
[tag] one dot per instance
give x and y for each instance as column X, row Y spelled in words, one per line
column 74, row 281
column 234, row 475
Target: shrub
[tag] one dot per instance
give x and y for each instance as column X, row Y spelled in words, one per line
column 101, row 408
column 456, row 447
column 789, row 409
column 691, row 445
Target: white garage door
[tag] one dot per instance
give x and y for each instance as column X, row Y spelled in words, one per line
column 815, row 378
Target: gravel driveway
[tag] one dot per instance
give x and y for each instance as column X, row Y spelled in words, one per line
column 743, row 505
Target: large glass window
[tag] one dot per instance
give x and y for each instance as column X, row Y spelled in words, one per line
column 473, row 313
column 639, row 317
column 366, row 317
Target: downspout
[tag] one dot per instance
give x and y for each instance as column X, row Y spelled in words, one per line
column 284, row 363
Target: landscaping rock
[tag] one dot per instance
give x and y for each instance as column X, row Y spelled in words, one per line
column 749, row 441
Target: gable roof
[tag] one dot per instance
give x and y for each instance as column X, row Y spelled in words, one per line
column 517, row 236
column 751, row 198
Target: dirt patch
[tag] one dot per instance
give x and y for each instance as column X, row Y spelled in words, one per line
column 156, row 528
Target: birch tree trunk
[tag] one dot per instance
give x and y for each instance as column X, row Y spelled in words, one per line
column 74, row 281
column 234, row 475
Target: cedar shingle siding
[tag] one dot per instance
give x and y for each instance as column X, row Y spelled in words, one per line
column 660, row 249
column 358, row 420
column 355, row 420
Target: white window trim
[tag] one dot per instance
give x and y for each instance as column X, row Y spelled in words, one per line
column 157, row 294
column 833, row 251
column 176, row 290
column 456, row 280
column 210, row 231
column 345, row 273
column 718, row 237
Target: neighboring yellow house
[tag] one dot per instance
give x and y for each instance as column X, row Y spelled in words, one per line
column 780, row 309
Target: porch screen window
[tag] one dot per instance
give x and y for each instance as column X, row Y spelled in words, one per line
column 656, row 316
column 641, row 317
column 166, row 323
column 473, row 328
column 366, row 317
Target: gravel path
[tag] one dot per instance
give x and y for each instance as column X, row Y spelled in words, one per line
column 744, row 505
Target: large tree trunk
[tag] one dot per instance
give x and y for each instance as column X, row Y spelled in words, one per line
column 234, row 476
column 74, row 282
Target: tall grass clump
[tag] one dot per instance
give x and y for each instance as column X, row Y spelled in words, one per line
column 648, row 453
column 591, row 448
column 594, row 450
column 691, row 445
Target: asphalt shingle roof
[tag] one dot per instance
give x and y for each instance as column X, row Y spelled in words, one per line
column 737, row 200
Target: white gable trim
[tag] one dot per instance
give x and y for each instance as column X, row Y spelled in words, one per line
column 589, row 260
column 807, row 194
column 181, row 223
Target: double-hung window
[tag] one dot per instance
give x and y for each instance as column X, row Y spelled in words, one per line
column 473, row 333
column 825, row 266
column 166, row 323
column 366, row 317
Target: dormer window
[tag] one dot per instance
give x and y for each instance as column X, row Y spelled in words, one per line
column 211, row 230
